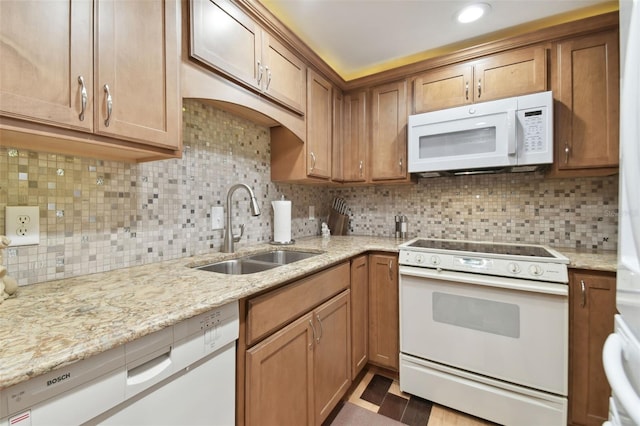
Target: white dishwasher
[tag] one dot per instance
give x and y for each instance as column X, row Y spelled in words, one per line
column 181, row 375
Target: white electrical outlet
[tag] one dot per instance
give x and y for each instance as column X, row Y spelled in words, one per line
column 312, row 212
column 217, row 218
column 22, row 225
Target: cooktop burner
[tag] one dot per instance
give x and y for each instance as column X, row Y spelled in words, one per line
column 482, row 248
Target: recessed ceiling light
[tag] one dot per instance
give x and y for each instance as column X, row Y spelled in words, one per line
column 472, row 13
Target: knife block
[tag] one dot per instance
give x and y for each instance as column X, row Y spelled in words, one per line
column 338, row 223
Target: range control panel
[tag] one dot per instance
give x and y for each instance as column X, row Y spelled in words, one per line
column 531, row 270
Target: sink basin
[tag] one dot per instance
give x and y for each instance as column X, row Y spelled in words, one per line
column 281, row 257
column 238, row 267
column 251, row 264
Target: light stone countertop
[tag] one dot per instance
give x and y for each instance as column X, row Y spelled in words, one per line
column 55, row 323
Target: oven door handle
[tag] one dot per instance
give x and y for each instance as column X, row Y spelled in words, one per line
column 487, row 280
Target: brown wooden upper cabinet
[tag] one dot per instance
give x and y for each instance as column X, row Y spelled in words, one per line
column 585, row 84
column 227, row 39
column 512, row 73
column 353, row 148
column 319, row 120
column 295, row 160
column 51, row 74
column 388, row 142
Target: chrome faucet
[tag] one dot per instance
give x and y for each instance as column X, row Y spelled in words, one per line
column 229, row 238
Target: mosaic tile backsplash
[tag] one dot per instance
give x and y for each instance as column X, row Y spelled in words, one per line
column 103, row 215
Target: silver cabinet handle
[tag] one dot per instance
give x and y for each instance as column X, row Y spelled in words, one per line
column 321, row 331
column 479, row 87
column 391, row 270
column 361, row 168
column 109, row 105
column 566, row 153
column 466, row 90
column 314, row 331
column 583, row 290
column 268, row 78
column 400, row 164
column 259, row 73
column 83, row 95
column 313, row 161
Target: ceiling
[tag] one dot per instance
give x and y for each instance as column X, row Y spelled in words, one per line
column 361, row 37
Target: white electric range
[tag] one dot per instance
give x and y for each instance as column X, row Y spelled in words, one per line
column 484, row 328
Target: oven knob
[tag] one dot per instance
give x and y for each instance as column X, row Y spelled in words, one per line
column 536, row 270
column 514, row 268
column 419, row 258
column 435, row 260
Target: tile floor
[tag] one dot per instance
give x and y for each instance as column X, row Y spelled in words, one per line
column 378, row 391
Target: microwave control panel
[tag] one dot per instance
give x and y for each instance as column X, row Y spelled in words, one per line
column 534, row 132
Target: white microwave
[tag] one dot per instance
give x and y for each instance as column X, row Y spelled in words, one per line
column 513, row 134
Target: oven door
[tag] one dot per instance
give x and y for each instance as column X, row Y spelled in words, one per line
column 508, row 329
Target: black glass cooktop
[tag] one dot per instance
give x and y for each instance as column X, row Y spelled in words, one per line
column 483, row 248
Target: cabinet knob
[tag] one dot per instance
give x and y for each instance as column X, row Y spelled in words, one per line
column 259, row 73
column 107, row 121
column 313, row 161
column 321, row 331
column 268, row 77
column 83, row 94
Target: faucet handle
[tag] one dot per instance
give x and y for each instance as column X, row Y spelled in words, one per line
column 236, row 238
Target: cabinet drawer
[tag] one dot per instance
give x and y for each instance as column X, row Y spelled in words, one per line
column 271, row 311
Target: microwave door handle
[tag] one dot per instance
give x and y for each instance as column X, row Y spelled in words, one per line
column 511, row 132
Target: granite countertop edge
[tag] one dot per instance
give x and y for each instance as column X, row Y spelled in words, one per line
column 52, row 324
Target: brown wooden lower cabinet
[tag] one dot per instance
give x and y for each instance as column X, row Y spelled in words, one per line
column 299, row 365
column 279, row 383
column 332, row 354
column 592, row 297
column 359, row 314
column 384, row 323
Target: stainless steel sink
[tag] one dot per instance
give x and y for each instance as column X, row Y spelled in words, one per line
column 282, row 257
column 238, row 267
column 259, row 262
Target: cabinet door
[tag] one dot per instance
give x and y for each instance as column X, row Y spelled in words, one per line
column 319, row 100
column 359, row 314
column 586, row 91
column 513, row 73
column 225, row 38
column 285, row 74
column 337, row 157
column 591, row 310
column 384, row 324
column 354, row 144
column 279, row 377
column 442, row 88
column 332, row 354
column 388, row 151
column 46, row 50
column 142, row 101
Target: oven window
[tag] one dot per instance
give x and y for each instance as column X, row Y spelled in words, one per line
column 466, row 142
column 477, row 314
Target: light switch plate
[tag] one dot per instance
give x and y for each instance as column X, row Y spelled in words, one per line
column 22, row 225
column 217, row 218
